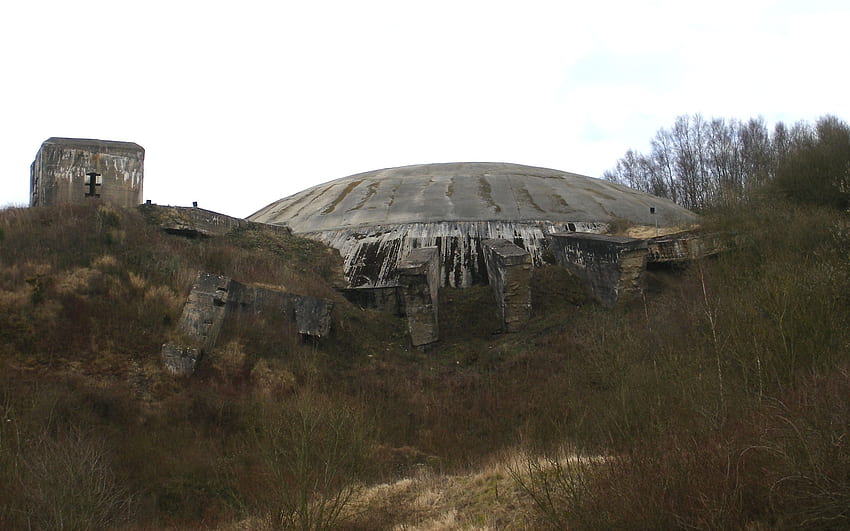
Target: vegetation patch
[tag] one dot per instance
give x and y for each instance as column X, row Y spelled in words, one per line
column 718, row 400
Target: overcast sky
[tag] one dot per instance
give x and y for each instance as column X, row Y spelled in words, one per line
column 238, row 104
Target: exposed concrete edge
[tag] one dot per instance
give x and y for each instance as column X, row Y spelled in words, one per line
column 611, row 267
column 195, row 222
column 213, row 298
column 509, row 269
column 686, row 246
column 311, row 315
column 199, row 325
column 419, row 282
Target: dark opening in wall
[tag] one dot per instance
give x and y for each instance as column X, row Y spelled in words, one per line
column 93, row 180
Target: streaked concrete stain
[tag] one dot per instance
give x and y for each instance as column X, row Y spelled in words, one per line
column 375, row 218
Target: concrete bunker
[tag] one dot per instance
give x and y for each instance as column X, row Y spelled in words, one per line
column 379, row 218
column 375, row 219
column 215, row 297
column 77, row 170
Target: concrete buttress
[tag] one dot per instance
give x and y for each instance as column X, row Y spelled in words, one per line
column 419, row 282
column 509, row 270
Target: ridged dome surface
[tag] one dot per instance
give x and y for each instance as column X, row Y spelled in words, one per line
column 375, row 218
column 468, row 191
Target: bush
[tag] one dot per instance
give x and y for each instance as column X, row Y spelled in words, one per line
column 805, row 444
column 723, row 398
column 558, row 484
column 11, row 503
column 313, row 453
column 69, row 483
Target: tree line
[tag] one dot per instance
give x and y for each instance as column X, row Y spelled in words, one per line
column 700, row 163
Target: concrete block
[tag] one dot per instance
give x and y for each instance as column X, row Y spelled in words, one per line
column 610, row 266
column 180, row 360
column 509, row 268
column 419, row 283
column 683, row 247
column 311, row 315
column 199, row 325
column 383, row 299
column 192, row 221
column 215, row 297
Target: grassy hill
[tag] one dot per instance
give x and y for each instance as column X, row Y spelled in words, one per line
column 720, row 400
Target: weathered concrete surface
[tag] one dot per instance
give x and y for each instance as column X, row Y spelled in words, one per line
column 376, row 218
column 419, row 282
column 191, row 221
column 311, row 315
column 58, row 173
column 468, row 191
column 215, row 297
column 180, row 360
column 199, row 325
column 383, row 299
column 509, row 268
column 684, row 247
column 371, row 254
column 610, row 266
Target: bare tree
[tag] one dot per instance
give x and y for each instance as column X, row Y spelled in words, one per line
column 756, row 152
column 661, row 157
column 699, row 163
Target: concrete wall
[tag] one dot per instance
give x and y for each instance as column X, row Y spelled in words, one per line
column 509, row 269
column 385, row 299
column 371, row 254
column 199, row 325
column 419, row 282
column 610, row 266
column 684, row 247
column 215, row 297
column 193, row 221
column 311, row 315
column 58, row 173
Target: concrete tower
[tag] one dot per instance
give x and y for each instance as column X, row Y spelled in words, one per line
column 77, row 170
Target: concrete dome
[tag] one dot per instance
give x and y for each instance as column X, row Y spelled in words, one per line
column 471, row 191
column 375, row 218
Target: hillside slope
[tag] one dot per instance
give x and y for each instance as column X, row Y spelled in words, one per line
column 720, row 400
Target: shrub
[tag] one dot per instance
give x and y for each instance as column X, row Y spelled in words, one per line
column 12, row 505
column 558, row 484
column 805, row 448
column 69, row 483
column 314, row 452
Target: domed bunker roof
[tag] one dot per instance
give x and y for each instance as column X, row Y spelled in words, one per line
column 375, row 218
column 469, row 191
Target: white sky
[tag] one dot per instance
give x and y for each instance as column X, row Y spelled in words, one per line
column 238, row 104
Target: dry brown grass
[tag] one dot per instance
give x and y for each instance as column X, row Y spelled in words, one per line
column 485, row 499
column 491, row 497
column 721, row 394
